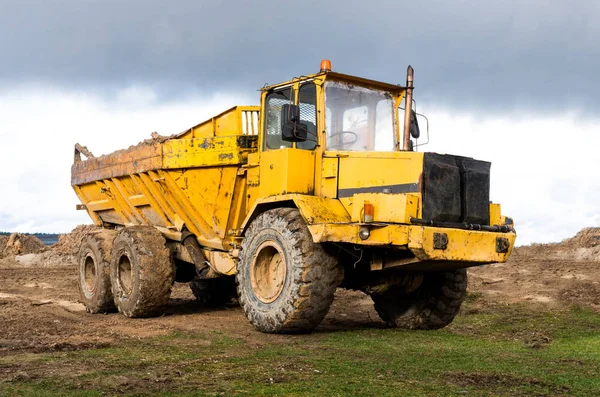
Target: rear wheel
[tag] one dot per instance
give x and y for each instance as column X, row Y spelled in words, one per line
column 214, row 291
column 432, row 305
column 141, row 272
column 94, row 271
column 285, row 281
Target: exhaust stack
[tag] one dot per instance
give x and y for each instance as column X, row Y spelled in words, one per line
column 408, row 107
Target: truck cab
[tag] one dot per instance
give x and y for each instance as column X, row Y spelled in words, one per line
column 337, row 147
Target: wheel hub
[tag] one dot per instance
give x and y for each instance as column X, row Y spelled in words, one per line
column 268, row 272
column 89, row 275
column 124, row 274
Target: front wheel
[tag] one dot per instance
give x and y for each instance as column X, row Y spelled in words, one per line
column 432, row 305
column 285, row 281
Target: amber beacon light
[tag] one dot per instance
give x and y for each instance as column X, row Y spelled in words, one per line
column 325, row 65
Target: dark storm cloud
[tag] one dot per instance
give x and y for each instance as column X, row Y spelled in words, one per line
column 488, row 55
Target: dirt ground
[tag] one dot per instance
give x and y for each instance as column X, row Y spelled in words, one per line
column 554, row 274
column 39, row 308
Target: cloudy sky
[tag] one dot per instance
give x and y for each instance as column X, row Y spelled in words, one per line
column 513, row 82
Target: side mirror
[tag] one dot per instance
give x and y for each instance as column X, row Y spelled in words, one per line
column 294, row 132
column 415, row 132
column 289, row 113
column 291, row 128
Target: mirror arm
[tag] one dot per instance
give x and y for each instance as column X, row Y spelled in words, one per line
column 408, row 107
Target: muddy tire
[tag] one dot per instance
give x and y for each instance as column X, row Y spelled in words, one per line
column 215, row 291
column 431, row 306
column 141, row 272
column 285, row 282
column 94, row 271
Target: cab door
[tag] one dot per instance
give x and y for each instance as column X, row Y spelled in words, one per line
column 287, row 167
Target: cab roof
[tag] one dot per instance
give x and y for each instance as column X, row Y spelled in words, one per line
column 343, row 77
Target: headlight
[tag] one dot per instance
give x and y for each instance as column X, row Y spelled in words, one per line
column 364, row 232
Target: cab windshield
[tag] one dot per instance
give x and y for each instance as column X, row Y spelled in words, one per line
column 358, row 118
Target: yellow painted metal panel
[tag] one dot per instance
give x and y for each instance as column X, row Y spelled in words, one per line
column 391, row 208
column 191, row 216
column 286, row 171
column 237, row 213
column 99, row 205
column 377, row 172
column 138, row 200
column 125, row 216
column 210, row 192
column 85, row 200
column 228, row 122
column 381, row 236
column 210, row 151
column 122, row 195
column 314, row 210
column 317, row 210
column 156, row 199
column 463, row 245
column 329, row 175
column 495, row 215
column 252, row 169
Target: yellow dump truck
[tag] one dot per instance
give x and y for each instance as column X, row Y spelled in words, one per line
column 318, row 188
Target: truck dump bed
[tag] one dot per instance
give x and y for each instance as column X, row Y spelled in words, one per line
column 189, row 179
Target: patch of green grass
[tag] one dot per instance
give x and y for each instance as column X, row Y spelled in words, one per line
column 503, row 350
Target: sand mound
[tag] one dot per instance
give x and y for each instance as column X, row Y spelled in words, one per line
column 20, row 244
column 68, row 244
column 586, row 238
column 561, row 273
column 64, row 252
column 18, row 250
column 584, row 246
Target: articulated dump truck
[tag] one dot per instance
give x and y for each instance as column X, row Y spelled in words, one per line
column 277, row 206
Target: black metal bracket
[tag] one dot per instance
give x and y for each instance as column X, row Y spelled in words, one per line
column 463, row 226
column 440, row 241
column 502, row 245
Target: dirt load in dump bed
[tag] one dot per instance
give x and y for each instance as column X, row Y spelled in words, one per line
column 39, row 308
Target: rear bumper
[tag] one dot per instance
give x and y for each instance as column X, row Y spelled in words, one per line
column 427, row 243
column 432, row 243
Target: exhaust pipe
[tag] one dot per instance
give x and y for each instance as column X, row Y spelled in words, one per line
column 408, row 107
column 190, row 243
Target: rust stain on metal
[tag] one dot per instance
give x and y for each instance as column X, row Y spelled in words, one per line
column 206, row 144
column 225, row 156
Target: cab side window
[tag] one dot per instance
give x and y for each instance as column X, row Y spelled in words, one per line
column 307, row 101
column 274, row 102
